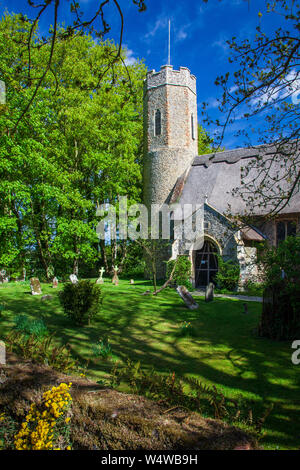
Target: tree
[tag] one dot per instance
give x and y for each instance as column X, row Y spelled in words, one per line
column 265, row 84
column 77, row 147
column 205, row 143
column 79, row 26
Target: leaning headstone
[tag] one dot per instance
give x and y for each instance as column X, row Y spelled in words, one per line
column 209, row 292
column 35, row 286
column 115, row 276
column 100, row 279
column 73, row 278
column 131, row 281
column 55, row 283
column 187, row 297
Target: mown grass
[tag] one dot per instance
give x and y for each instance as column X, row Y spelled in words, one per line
column 225, row 351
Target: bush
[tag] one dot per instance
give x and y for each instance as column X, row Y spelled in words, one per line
column 41, row 351
column 281, row 310
column 228, row 274
column 253, row 288
column 182, row 272
column 81, row 301
column 102, row 349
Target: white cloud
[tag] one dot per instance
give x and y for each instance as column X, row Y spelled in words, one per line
column 159, row 24
column 130, row 59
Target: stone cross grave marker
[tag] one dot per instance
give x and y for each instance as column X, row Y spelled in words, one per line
column 73, row 278
column 35, row 286
column 187, row 297
column 115, row 279
column 100, row 279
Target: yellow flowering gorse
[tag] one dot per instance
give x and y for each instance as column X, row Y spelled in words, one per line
column 37, row 432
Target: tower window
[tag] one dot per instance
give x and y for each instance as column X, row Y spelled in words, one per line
column 157, row 122
column 192, row 126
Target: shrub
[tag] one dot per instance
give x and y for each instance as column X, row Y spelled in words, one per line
column 253, row 288
column 41, row 351
column 228, row 274
column 81, row 301
column 47, row 426
column 281, row 310
column 182, row 272
column 102, row 349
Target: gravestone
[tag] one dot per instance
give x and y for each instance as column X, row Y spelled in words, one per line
column 100, row 279
column 35, row 286
column 115, row 278
column 55, row 283
column 2, row 275
column 131, row 281
column 209, row 292
column 187, row 297
column 73, row 279
column 2, row 353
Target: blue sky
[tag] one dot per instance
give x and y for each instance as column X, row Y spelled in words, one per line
column 198, row 36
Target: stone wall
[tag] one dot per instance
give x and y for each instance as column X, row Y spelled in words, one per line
column 168, row 155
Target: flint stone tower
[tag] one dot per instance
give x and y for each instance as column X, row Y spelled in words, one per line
column 170, row 130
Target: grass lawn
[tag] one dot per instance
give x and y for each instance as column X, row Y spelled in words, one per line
column 225, row 352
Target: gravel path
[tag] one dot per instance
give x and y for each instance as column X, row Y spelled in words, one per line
column 240, row 297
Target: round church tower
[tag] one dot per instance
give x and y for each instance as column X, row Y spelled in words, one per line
column 170, row 130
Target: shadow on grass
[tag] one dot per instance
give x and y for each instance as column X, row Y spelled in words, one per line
column 224, row 351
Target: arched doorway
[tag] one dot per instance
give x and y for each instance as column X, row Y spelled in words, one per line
column 206, row 264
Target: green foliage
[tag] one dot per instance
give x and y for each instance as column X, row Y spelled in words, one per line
column 40, row 351
column 81, row 301
column 186, row 329
column 8, row 429
column 102, row 349
column 36, row 328
column 205, row 143
column 186, row 393
column 228, row 274
column 281, row 317
column 182, row 272
column 253, row 288
column 79, row 146
column 134, row 265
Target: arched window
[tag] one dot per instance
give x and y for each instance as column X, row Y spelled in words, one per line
column 157, row 122
column 206, row 264
column 192, row 127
